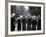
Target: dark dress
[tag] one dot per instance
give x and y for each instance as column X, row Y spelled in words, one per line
column 12, row 24
column 39, row 24
column 34, row 22
column 29, row 24
column 19, row 24
column 23, row 24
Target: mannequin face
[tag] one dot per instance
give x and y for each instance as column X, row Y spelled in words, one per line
column 13, row 14
column 33, row 17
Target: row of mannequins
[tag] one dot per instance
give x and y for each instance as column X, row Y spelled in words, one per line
column 23, row 23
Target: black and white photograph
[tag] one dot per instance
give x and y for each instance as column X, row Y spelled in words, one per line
column 24, row 18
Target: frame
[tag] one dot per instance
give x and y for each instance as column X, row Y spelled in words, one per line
column 37, row 7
